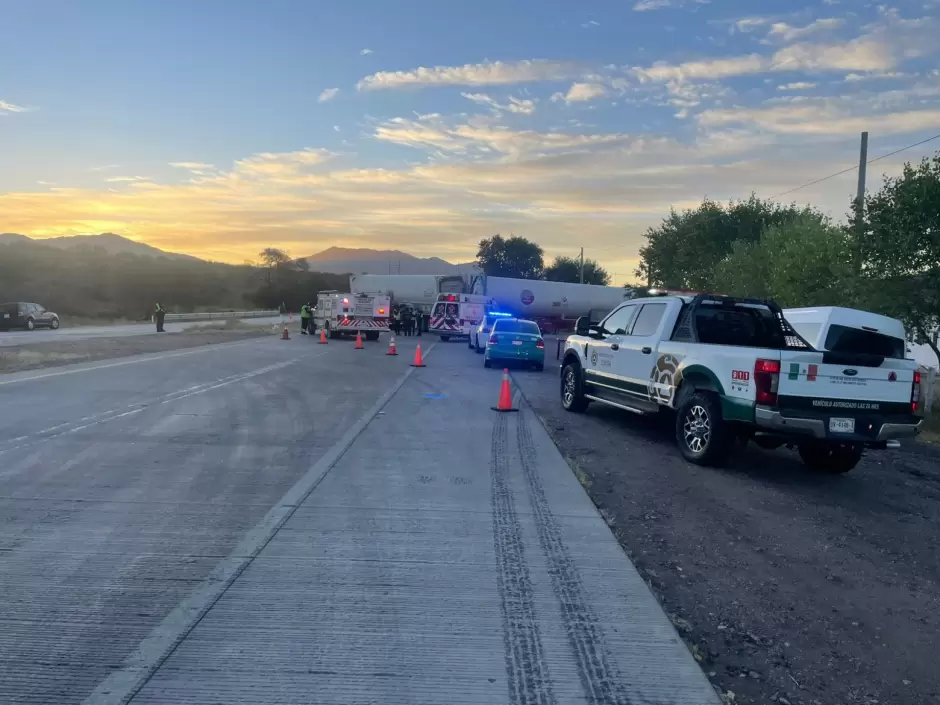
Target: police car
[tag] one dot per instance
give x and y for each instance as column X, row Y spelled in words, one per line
column 735, row 368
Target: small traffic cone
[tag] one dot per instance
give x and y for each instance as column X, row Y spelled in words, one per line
column 286, row 334
column 419, row 362
column 392, row 350
column 358, row 341
column 505, row 395
column 322, row 336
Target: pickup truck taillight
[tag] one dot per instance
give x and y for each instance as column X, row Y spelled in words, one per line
column 767, row 381
column 915, row 392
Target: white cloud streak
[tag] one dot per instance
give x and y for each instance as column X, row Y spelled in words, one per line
column 328, row 95
column 490, row 73
column 12, row 108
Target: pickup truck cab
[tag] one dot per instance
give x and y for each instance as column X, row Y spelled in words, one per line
column 733, row 368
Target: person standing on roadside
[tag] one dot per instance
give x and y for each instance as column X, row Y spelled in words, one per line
column 159, row 314
column 406, row 322
column 304, row 318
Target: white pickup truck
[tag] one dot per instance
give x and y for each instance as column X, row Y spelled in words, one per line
column 733, row 368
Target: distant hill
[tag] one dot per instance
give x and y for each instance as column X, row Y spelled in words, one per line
column 109, row 242
column 345, row 260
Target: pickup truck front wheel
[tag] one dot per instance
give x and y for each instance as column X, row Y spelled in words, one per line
column 835, row 458
column 701, row 432
column 572, row 389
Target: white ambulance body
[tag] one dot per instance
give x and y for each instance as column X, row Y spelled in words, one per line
column 349, row 314
column 455, row 315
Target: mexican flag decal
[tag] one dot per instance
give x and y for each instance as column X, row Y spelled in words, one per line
column 809, row 370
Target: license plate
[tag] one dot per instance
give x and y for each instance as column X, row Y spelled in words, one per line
column 517, row 342
column 841, row 425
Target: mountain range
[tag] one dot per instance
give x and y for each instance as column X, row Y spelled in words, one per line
column 333, row 260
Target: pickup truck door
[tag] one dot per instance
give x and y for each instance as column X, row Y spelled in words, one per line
column 638, row 350
column 603, row 357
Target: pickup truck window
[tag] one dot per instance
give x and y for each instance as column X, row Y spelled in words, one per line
column 744, row 326
column 844, row 339
column 618, row 323
column 647, row 322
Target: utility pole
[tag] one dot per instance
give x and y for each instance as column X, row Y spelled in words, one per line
column 582, row 265
column 860, row 200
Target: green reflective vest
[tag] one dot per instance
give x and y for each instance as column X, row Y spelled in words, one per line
column 305, row 311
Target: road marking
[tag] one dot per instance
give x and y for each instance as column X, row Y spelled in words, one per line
column 148, row 358
column 123, row 684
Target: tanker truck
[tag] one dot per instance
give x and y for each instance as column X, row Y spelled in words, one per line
column 553, row 305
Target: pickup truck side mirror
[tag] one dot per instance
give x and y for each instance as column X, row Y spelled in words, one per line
column 583, row 325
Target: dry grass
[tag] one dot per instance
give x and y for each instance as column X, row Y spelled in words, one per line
column 930, row 431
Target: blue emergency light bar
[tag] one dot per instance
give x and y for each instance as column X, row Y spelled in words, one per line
column 497, row 313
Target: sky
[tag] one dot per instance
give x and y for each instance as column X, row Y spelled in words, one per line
column 221, row 127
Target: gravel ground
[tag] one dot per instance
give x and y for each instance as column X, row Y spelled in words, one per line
column 28, row 357
column 788, row 586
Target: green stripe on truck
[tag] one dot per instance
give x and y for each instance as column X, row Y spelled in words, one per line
column 733, row 409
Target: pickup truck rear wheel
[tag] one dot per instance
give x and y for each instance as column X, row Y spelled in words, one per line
column 572, row 389
column 701, row 432
column 835, row 458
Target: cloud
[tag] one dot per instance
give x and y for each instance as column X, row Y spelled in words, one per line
column 708, row 69
column 193, row 166
column 590, row 23
column 106, row 167
column 749, row 24
column 796, row 86
column 489, row 73
column 365, row 52
column 647, row 5
column 282, row 166
column 822, row 118
column 787, row 33
column 6, row 107
column 581, row 92
column 515, row 105
column 126, row 179
column 328, row 95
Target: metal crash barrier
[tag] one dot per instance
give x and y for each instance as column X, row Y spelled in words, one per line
column 223, row 315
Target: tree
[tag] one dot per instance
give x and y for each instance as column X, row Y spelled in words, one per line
column 510, row 257
column 899, row 245
column 568, row 269
column 683, row 251
column 806, row 262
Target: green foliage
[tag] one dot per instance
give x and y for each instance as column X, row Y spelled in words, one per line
column 900, row 248
column 683, row 251
column 568, row 269
column 88, row 282
column 805, row 262
column 510, row 257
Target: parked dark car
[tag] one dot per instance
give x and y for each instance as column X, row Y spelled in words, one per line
column 27, row 315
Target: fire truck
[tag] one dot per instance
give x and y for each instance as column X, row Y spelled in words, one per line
column 348, row 314
column 455, row 315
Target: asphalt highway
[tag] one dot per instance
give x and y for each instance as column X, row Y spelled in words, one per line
column 65, row 334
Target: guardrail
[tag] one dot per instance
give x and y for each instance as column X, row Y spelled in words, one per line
column 220, row 315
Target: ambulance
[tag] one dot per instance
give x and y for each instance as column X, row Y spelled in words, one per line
column 348, row 314
column 456, row 315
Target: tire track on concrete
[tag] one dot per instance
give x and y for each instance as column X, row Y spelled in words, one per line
column 601, row 682
column 526, row 669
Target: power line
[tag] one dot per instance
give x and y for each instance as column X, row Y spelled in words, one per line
column 853, row 168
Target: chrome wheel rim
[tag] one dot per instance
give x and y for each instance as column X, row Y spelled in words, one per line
column 568, row 392
column 696, row 428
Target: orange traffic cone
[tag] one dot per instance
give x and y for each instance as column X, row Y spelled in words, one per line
column 392, row 350
column 419, row 362
column 505, row 395
column 286, row 334
column 358, row 341
column 322, row 336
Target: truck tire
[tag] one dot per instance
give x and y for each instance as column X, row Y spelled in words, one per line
column 372, row 335
column 702, row 435
column 834, row 458
column 572, row 389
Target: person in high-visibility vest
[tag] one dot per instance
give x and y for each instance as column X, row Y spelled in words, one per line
column 159, row 314
column 304, row 318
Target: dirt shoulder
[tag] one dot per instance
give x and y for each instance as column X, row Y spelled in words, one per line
column 788, row 586
column 52, row 354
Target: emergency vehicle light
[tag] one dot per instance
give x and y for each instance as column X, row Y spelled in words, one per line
column 346, row 302
column 503, row 315
column 381, row 311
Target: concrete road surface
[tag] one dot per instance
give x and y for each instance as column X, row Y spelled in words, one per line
column 65, row 334
column 283, row 522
